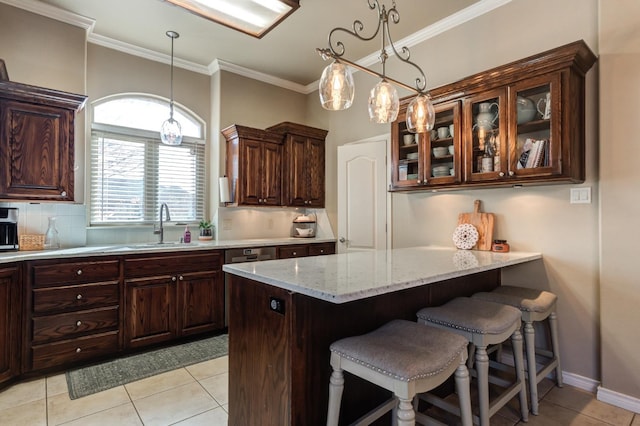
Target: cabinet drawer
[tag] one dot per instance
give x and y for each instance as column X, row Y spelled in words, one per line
column 75, row 272
column 74, row 297
column 320, row 249
column 172, row 264
column 73, row 351
column 288, row 252
column 65, row 326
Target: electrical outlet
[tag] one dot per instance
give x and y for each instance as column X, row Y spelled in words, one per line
column 580, row 195
column 226, row 224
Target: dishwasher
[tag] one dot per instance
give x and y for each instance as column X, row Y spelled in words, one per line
column 241, row 255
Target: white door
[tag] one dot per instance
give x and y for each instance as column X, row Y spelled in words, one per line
column 362, row 196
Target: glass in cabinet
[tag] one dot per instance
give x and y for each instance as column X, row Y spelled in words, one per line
column 535, row 133
column 486, row 142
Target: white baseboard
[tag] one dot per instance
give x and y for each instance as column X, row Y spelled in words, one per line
column 618, row 399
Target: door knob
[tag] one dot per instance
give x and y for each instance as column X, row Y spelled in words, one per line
column 342, row 240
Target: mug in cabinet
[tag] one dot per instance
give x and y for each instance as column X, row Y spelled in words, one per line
column 443, row 132
column 544, row 106
column 451, row 127
column 408, row 139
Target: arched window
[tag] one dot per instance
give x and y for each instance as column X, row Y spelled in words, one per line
column 132, row 172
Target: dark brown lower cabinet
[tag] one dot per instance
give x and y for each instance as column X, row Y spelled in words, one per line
column 170, row 296
column 9, row 322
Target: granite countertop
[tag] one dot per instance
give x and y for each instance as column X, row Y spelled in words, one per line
column 346, row 277
column 135, row 248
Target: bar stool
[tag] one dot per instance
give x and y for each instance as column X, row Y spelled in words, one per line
column 405, row 358
column 535, row 305
column 482, row 324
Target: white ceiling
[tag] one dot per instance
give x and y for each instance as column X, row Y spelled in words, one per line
column 285, row 54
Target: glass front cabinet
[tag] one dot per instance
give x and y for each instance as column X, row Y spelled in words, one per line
column 518, row 124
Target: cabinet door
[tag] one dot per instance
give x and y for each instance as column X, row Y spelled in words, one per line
column 407, row 155
column 36, row 152
column 271, row 174
column 443, row 156
column 315, row 172
column 150, row 310
column 201, row 301
column 536, row 148
column 296, row 178
column 251, row 156
column 9, row 324
column 485, row 136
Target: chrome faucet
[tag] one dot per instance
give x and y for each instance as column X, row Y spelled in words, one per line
column 160, row 230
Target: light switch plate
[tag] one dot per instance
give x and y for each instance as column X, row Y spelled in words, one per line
column 580, row 195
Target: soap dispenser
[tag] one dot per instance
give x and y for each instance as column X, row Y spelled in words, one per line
column 187, row 235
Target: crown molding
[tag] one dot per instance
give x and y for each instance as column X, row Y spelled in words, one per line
column 142, row 52
column 53, row 13
column 219, row 64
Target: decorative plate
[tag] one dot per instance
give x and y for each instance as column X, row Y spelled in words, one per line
column 465, row 236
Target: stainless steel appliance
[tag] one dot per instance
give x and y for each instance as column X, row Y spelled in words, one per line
column 242, row 255
column 8, row 228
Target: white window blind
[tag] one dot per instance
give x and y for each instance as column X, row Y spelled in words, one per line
column 132, row 175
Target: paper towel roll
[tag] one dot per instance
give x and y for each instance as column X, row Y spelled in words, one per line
column 224, row 190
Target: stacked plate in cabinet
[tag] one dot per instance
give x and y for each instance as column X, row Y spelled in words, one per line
column 442, row 170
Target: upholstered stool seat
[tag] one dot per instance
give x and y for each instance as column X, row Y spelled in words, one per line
column 405, row 358
column 482, row 324
column 535, row 305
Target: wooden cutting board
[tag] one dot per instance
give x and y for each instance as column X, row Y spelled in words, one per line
column 483, row 223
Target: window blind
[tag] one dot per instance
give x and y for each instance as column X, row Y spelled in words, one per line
column 132, row 175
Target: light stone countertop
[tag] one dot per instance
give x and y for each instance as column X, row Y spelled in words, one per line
column 346, row 277
column 135, row 248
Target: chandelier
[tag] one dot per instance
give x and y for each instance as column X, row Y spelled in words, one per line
column 171, row 132
column 336, row 86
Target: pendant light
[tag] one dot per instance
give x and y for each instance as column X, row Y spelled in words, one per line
column 336, row 84
column 171, row 132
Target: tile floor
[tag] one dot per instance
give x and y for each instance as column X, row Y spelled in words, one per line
column 197, row 395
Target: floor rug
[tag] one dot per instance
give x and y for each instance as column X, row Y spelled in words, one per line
column 96, row 378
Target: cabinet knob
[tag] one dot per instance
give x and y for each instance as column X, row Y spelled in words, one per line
column 295, row 253
column 181, row 278
column 321, row 251
column 63, row 193
column 78, row 350
column 511, row 173
column 173, row 278
column 79, row 272
column 419, row 181
column 79, row 296
column 501, row 174
column 78, row 323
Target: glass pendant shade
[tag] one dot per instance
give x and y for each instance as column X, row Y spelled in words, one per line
column 383, row 103
column 336, row 87
column 171, row 132
column 420, row 114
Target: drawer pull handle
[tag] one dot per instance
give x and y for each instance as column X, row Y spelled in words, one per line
column 78, row 350
column 78, row 323
column 79, row 272
column 79, row 297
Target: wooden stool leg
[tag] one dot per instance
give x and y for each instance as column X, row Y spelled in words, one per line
column 516, row 343
column 406, row 415
column 482, row 371
column 553, row 326
column 530, row 344
column 336, row 386
column 464, row 394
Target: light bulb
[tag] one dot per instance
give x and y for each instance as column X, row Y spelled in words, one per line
column 420, row 114
column 336, row 87
column 383, row 103
column 171, row 132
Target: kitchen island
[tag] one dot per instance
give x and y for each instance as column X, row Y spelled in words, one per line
column 284, row 314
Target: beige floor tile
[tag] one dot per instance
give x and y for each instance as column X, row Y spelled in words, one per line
column 218, row 387
column 57, row 384
column 585, row 403
column 209, row 368
column 122, row 415
column 160, row 383
column 555, row 415
column 216, row 417
column 32, row 413
column 61, row 409
column 22, row 393
column 174, row 405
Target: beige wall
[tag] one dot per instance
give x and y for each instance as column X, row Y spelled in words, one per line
column 620, row 204
column 532, row 219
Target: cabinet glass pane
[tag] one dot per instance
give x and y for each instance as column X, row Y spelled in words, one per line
column 486, row 136
column 442, row 145
column 408, row 156
column 534, row 109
